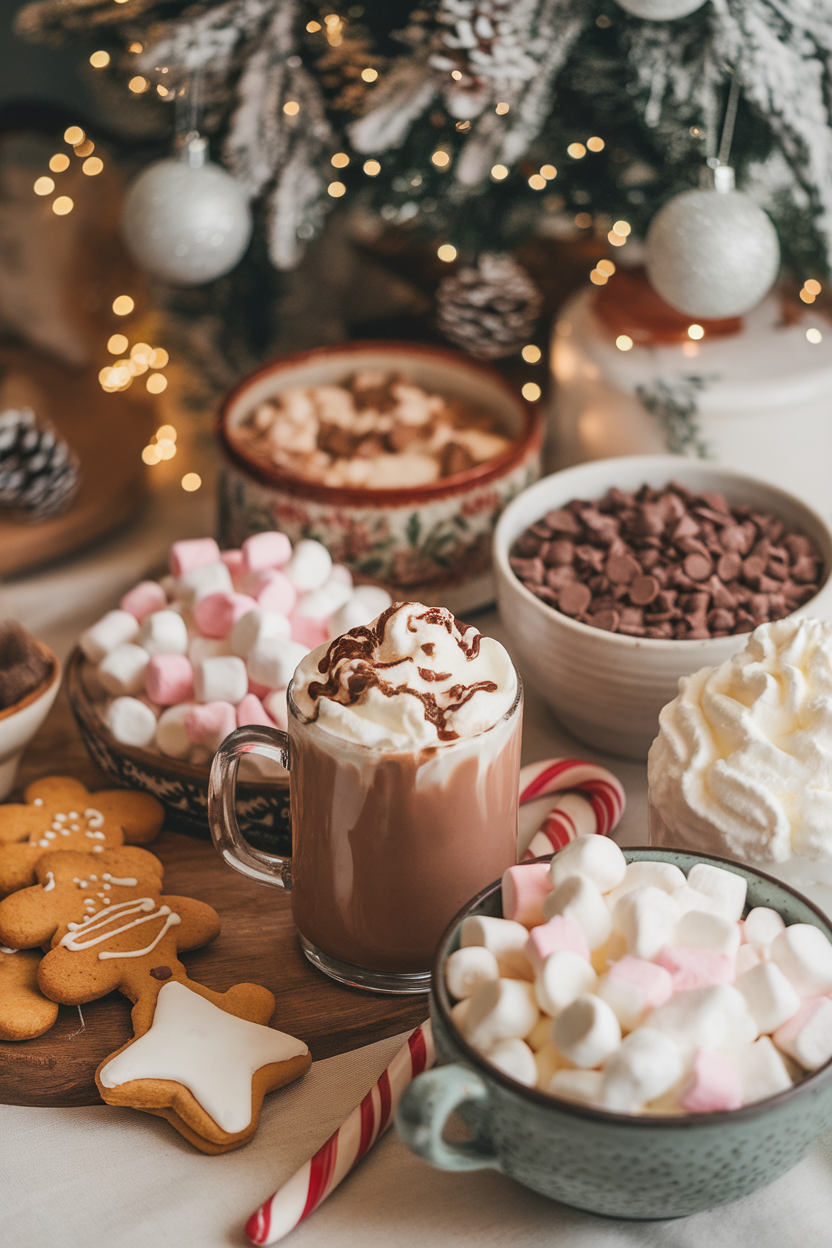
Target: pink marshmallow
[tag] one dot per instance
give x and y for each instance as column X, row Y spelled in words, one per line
column 143, row 599
column 524, row 887
column 561, row 932
column 266, row 550
column 168, row 679
column 747, row 956
column 216, row 614
column 696, row 968
column 210, row 723
column 310, row 633
column 655, row 982
column 275, row 592
column 258, row 690
column 233, row 560
column 194, row 553
column 252, row 711
column 715, row 1084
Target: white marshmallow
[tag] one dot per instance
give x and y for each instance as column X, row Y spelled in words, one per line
column 808, row 1036
column 200, row 648
column 747, row 956
column 122, row 670
column 171, row 737
column 321, row 603
column 646, row 1065
column 661, row 875
column 366, row 604
column 210, row 578
column 804, row 955
column 468, row 969
column 503, row 938
column 698, row 930
column 564, row 977
column 587, row 1032
column 515, row 1059
column 770, row 997
column 342, row 575
column 164, row 632
column 762, row 1070
column 583, row 1086
column 725, row 888
column 596, row 857
column 499, row 1010
column 272, row 661
column 255, row 626
column 706, row 1018
column 223, row 679
column 131, row 722
column 310, row 565
column 113, row 629
column 578, row 897
column 688, row 898
column 646, row 917
column 275, row 703
column 762, row 926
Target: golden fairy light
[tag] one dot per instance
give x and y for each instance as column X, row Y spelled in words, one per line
column 166, row 433
column 499, row 172
column 616, row 239
column 291, row 108
column 441, row 158
column 814, row 335
column 369, row 74
column 74, row 135
column 167, row 447
column 92, row 166
column 123, row 305
column 85, row 149
column 531, row 391
column 99, row 60
column 138, row 84
column 446, row 252
column 59, row 162
column 606, row 267
column 117, row 344
column 576, row 150
column 372, row 168
column 813, row 287
column 163, row 91
column 135, row 48
column 624, row 342
column 696, row 332
column 583, row 220
column 159, row 358
column 336, row 189
column 537, row 182
column 621, row 227
column 191, row 481
column 502, row 109
column 44, row 186
column 313, row 27
column 156, row 383
column 456, row 74
column 334, row 26
column 595, row 144
column 548, row 172
column 598, row 277
column 531, row 353
column 141, row 352
column 151, row 455
column 340, row 160
column 62, row 205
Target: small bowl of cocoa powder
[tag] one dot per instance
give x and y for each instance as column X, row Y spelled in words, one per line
column 617, row 577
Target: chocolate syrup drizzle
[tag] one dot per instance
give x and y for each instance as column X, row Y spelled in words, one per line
column 359, row 647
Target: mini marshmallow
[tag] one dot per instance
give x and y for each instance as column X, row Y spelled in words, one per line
column 468, row 969
column 275, row 704
column 688, row 898
column 131, row 722
column 310, row 633
column 276, row 593
column 233, row 560
column 523, row 888
column 193, row 553
column 707, row 1018
column 321, row 603
column 169, row 678
column 762, row 926
column 807, row 1036
column 582, row 1086
column 200, row 648
column 171, row 737
column 366, row 603
column 309, row 566
column 273, row 660
column 210, row 723
column 646, row 917
column 515, row 1059
column 747, row 956
column 715, row 1084
column 266, row 550
column 596, row 857
column 216, row 614
column 631, row 988
column 661, row 875
column 499, row 1010
column 578, row 897
column 223, row 679
column 645, row 1065
column 804, row 955
column 116, row 628
column 586, row 1032
column 565, row 977
column 255, row 625
column 771, row 998
column 198, row 583
column 762, row 1070
column 725, row 888
column 696, row 968
column 561, row 932
column 699, row 930
column 122, row 670
column 164, row 632
column 143, row 599
column 505, row 939
column 252, row 711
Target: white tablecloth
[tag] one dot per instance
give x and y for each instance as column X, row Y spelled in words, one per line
column 84, row 1178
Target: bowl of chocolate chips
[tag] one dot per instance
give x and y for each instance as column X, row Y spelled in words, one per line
column 30, row 676
column 617, row 577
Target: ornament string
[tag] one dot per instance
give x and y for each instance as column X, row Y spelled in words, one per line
column 730, row 119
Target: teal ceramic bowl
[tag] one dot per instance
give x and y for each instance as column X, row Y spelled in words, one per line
column 618, row 1165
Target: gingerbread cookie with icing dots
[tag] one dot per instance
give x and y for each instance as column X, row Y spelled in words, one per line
column 60, row 813
column 24, row 1010
column 203, row 1060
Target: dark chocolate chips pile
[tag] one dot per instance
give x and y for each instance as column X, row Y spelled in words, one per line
column 23, row 665
column 667, row 564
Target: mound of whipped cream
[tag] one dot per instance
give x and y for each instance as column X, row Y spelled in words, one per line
column 415, row 677
column 742, row 765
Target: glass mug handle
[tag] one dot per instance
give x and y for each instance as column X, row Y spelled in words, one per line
column 222, row 815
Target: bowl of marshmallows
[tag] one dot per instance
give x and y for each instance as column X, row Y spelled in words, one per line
column 157, row 683
column 642, row 1033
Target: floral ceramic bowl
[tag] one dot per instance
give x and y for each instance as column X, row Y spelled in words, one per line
column 431, row 543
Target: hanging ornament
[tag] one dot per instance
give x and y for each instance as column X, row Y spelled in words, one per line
column 491, row 310
column 660, row 10
column 38, row 472
column 186, row 221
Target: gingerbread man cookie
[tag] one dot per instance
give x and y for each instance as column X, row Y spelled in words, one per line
column 60, row 813
column 24, row 1010
column 203, row 1060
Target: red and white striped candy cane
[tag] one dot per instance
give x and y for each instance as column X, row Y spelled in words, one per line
column 600, row 790
column 334, row 1160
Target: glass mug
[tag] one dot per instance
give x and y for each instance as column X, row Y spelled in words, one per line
column 387, row 845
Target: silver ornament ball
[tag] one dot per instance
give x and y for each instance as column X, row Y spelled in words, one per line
column 660, row 10
column 186, row 225
column 712, row 254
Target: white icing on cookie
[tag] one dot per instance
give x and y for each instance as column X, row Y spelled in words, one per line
column 105, row 918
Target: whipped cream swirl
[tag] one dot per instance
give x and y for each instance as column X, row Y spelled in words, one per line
column 742, row 765
column 415, row 677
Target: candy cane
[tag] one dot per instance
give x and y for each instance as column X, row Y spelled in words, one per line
column 602, row 806
column 334, row 1160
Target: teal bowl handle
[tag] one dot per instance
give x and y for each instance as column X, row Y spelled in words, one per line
column 427, row 1104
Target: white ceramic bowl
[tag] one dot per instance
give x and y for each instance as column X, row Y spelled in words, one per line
column 19, row 723
column 607, row 688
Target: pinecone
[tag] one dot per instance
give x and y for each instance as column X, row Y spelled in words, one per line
column 38, row 472
column 489, row 311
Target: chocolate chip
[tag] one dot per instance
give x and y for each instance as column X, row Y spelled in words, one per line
column 753, row 567
column 643, row 590
column 687, row 527
column 804, row 569
column 528, row 569
column 608, row 620
column 728, row 567
column 563, row 522
column 622, row 568
column 698, row 567
column 559, row 552
column 574, row 599
column 557, row 578
column 734, row 538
